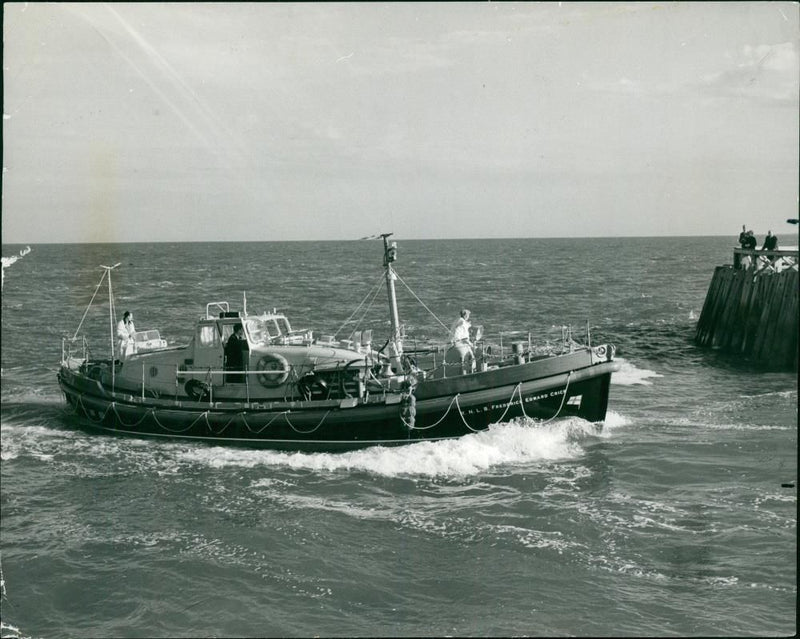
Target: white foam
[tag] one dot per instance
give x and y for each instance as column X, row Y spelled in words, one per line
column 721, row 581
column 630, row 375
column 787, row 394
column 514, row 443
column 612, row 421
column 7, row 631
column 532, row 538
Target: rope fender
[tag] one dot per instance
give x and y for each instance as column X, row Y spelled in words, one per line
column 517, row 389
column 407, row 415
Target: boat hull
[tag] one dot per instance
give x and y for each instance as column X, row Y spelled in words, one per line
column 441, row 409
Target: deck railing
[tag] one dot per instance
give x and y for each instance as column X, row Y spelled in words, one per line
column 778, row 259
column 71, row 348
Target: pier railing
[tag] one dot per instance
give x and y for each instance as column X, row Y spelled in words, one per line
column 777, row 259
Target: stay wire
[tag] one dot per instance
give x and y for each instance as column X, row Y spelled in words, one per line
column 374, row 292
column 444, row 326
column 97, row 288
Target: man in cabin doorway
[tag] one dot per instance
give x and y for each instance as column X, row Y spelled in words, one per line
column 235, row 350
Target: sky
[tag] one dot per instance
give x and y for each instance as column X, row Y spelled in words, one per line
column 128, row 122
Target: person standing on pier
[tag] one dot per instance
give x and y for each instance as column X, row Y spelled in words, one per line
column 770, row 244
column 743, row 236
column 749, row 243
column 737, row 257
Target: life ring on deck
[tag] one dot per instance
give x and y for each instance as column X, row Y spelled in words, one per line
column 273, row 370
column 196, row 389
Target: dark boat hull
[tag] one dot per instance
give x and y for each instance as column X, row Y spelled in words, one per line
column 569, row 385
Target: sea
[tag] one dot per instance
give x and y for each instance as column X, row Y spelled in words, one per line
column 675, row 517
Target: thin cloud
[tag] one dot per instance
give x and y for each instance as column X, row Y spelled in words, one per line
column 759, row 72
column 763, row 72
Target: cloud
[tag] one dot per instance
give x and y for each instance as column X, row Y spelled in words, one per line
column 779, row 57
column 763, row 72
column 624, row 86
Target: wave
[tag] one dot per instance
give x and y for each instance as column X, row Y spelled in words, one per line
column 630, row 375
column 38, row 426
column 744, row 427
column 33, row 439
column 8, row 631
column 787, row 394
column 613, row 420
column 513, row 443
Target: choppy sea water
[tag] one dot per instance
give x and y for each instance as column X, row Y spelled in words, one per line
column 678, row 517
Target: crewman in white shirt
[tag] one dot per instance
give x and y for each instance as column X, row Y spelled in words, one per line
column 125, row 335
column 461, row 349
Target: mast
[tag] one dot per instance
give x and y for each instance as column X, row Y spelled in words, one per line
column 108, row 270
column 395, row 340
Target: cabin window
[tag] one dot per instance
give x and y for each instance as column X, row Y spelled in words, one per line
column 283, row 326
column 208, row 336
column 227, row 331
column 258, row 331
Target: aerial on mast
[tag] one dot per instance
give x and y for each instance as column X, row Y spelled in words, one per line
column 395, row 339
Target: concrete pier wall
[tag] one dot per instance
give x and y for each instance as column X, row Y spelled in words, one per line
column 754, row 314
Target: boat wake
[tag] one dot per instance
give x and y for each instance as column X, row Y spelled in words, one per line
column 39, row 429
column 613, row 420
column 630, row 375
column 502, row 445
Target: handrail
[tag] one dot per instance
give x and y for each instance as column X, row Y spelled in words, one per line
column 788, row 258
column 208, row 371
column 68, row 346
column 778, row 252
column 222, row 306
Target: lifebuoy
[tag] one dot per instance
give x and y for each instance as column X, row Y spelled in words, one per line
column 195, row 389
column 273, row 370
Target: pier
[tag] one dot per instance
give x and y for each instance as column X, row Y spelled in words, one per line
column 751, row 309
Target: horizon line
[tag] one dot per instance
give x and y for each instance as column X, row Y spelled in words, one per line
column 369, row 238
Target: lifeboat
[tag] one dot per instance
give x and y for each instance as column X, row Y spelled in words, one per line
column 285, row 389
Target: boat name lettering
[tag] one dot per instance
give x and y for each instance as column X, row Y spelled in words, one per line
column 515, row 402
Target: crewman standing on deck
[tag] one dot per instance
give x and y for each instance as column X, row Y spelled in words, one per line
column 459, row 332
column 460, row 344
column 125, row 335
